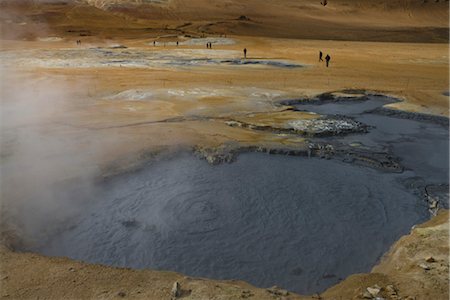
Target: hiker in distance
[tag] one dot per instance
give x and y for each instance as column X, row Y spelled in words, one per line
column 327, row 59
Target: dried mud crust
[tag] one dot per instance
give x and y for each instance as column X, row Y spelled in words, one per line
column 317, row 127
column 376, row 160
column 321, row 127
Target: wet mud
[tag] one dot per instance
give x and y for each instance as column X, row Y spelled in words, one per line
column 303, row 224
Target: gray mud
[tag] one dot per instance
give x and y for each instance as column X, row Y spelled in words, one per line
column 271, row 63
column 303, row 224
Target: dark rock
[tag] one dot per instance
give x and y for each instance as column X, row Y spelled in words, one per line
column 176, row 290
column 243, row 18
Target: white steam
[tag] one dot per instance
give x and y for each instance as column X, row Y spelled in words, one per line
column 47, row 169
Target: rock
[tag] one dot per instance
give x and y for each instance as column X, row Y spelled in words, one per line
column 176, row 290
column 430, row 259
column 246, row 294
column 391, row 290
column 374, row 291
column 121, row 294
column 367, row 295
column 433, row 204
column 277, row 291
column 243, row 18
column 425, row 267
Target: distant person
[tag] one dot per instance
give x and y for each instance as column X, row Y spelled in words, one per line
column 320, row 56
column 207, row 45
column 154, row 43
column 327, row 59
column 245, row 53
column 177, row 43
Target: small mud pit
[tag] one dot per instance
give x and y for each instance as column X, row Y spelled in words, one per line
column 303, row 224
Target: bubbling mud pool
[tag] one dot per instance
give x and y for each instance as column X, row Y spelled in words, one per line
column 303, row 224
column 296, row 222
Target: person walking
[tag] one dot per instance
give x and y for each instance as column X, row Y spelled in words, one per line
column 320, row 56
column 327, row 59
column 245, row 53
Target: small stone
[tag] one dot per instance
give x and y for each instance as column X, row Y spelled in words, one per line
column 425, row 267
column 72, row 269
column 391, row 290
column 367, row 295
column 374, row 291
column 246, row 294
column 176, row 290
column 434, row 204
column 430, row 259
column 277, row 291
column 121, row 294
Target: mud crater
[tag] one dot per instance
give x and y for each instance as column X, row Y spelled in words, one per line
column 297, row 222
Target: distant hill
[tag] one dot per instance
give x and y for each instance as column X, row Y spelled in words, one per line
column 364, row 20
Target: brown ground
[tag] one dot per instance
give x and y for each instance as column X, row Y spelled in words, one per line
column 396, row 47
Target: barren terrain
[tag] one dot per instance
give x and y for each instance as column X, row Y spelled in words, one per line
column 129, row 93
